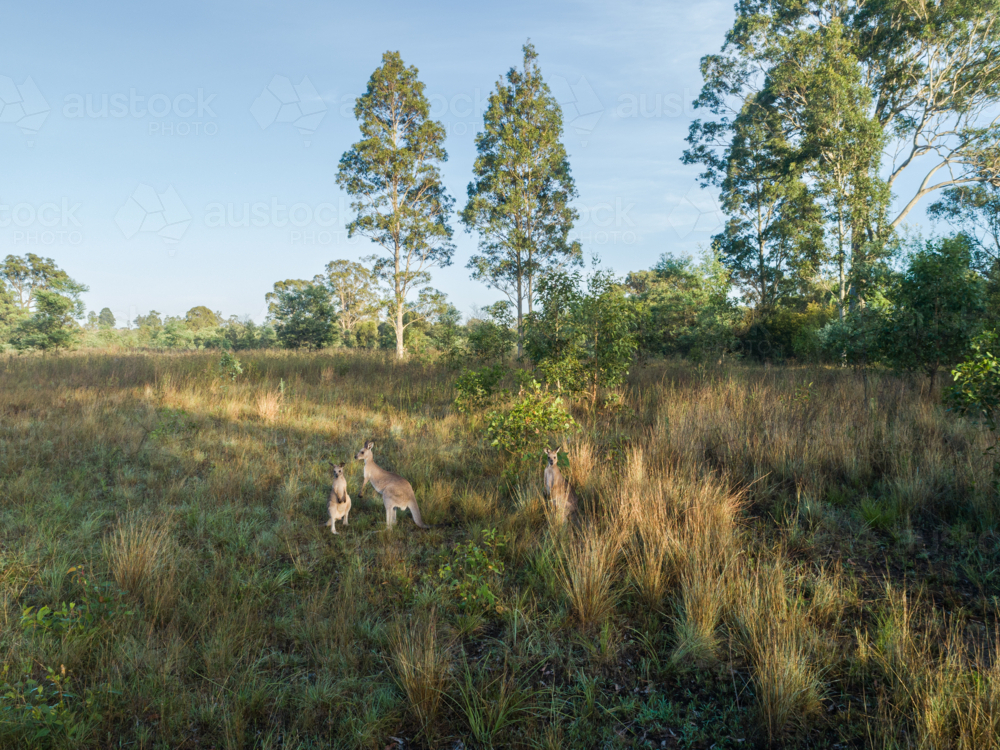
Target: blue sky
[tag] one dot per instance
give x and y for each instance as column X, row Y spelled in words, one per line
column 165, row 119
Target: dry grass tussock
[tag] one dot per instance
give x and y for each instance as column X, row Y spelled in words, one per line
column 789, row 557
column 142, row 559
column 421, row 664
column 773, row 631
column 268, row 405
column 939, row 690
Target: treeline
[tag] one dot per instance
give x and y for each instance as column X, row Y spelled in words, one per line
column 927, row 308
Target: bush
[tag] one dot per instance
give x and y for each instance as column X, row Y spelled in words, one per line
column 491, row 340
column 857, row 340
column 785, row 333
column 523, row 429
column 33, row 711
column 51, row 326
column 365, row 335
column 684, row 307
column 229, row 366
column 99, row 603
column 475, row 388
column 474, row 571
column 238, row 335
column 976, row 391
column 583, row 339
column 304, row 318
column 939, row 308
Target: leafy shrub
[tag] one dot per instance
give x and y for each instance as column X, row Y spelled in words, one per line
column 475, row 388
column 51, row 326
column 583, row 339
column 976, row 391
column 608, row 322
column 99, row 603
column 230, row 366
column 939, row 307
column 784, row 333
column 684, row 307
column 238, row 335
column 567, row 375
column 524, row 428
column 303, row 316
column 491, row 340
column 474, row 570
column 32, row 710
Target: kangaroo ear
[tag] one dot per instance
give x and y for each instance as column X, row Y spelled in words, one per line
column 370, row 444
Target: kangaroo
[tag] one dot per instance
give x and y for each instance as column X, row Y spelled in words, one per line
column 396, row 492
column 557, row 488
column 340, row 502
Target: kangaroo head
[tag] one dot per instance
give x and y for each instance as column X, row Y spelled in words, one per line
column 366, row 452
column 338, row 471
column 553, row 456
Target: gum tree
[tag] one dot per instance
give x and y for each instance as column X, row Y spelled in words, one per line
column 772, row 237
column 865, row 94
column 354, row 290
column 975, row 210
column 303, row 316
column 521, row 189
column 392, row 176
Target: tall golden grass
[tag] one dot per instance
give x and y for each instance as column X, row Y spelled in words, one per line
column 421, row 665
column 821, row 541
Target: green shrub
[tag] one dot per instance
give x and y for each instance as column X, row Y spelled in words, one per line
column 524, row 428
column 44, row 711
column 474, row 571
column 939, row 305
column 976, row 391
column 476, row 388
column 99, row 603
column 491, row 340
column 230, row 366
column 785, row 333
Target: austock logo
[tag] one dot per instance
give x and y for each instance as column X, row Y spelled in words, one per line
column 298, row 104
column 163, row 214
column 50, row 223
column 582, row 109
column 22, row 105
column 698, row 211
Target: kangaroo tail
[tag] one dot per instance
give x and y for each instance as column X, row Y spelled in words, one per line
column 415, row 512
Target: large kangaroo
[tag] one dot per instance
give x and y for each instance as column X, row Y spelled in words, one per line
column 396, row 492
column 557, row 488
column 340, row 502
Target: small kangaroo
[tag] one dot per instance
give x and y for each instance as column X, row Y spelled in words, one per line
column 396, row 492
column 340, row 502
column 557, row 488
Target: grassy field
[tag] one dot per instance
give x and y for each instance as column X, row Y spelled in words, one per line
column 764, row 557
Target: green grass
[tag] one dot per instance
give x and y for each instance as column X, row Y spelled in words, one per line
column 739, row 576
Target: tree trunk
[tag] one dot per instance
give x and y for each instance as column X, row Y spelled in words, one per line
column 859, row 261
column 520, row 320
column 842, row 290
column 400, row 351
